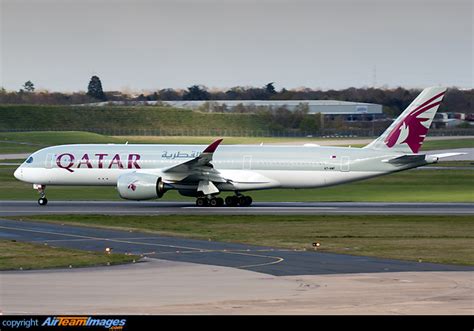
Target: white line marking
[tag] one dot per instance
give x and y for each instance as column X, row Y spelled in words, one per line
column 97, row 238
column 276, row 258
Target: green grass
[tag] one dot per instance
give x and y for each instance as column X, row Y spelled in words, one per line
column 440, row 239
column 447, row 144
column 27, row 142
column 117, row 117
column 205, row 140
column 21, row 255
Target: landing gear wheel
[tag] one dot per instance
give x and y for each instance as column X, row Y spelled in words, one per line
column 248, row 201
column 42, row 201
column 231, row 201
column 201, row 202
column 239, row 200
column 216, row 202
column 213, row 202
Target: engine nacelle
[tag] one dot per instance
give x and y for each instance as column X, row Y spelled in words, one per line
column 138, row 186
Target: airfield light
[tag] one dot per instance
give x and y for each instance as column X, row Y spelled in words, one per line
column 108, row 250
column 316, row 244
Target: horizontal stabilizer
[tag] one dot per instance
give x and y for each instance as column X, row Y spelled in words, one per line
column 419, row 158
column 406, row 159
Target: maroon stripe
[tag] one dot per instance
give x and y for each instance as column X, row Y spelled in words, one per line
column 427, row 102
column 418, row 112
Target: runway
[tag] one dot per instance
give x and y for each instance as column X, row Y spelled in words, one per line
column 268, row 260
column 18, row 208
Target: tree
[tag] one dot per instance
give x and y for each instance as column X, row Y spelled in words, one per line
column 29, row 86
column 169, row 95
column 310, row 123
column 270, row 89
column 196, row 92
column 95, row 89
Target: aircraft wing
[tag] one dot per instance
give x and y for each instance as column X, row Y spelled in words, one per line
column 200, row 168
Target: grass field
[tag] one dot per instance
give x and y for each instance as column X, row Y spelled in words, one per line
column 26, row 142
column 116, row 118
column 21, row 255
column 441, row 239
column 447, row 144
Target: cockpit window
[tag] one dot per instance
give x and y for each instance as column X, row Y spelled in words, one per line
column 29, row 160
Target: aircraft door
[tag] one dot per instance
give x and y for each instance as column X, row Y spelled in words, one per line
column 247, row 162
column 345, row 163
column 49, row 161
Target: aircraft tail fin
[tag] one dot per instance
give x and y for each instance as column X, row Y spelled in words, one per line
column 408, row 131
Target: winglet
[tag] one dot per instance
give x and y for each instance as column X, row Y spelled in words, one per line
column 212, row 147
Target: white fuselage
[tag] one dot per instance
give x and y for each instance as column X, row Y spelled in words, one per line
column 246, row 167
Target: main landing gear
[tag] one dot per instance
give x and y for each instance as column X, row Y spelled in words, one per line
column 238, row 201
column 42, row 201
column 209, row 202
column 230, row 201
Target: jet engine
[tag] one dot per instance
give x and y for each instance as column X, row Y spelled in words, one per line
column 138, row 186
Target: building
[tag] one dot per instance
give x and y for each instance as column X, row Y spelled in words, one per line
column 449, row 120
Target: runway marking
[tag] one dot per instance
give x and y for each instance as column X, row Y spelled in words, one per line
column 278, row 260
column 236, row 252
column 96, row 238
column 86, row 239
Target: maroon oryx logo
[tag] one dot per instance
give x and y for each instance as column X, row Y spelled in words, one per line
column 412, row 128
column 132, row 186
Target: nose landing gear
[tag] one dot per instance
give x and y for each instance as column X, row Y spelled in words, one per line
column 42, row 201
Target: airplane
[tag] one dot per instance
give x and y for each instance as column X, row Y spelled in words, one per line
column 143, row 172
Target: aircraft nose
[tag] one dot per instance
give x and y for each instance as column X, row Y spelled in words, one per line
column 18, row 173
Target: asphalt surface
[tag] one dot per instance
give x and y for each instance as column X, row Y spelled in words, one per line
column 278, row 262
column 17, row 208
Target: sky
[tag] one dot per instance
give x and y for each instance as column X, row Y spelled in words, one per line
column 145, row 45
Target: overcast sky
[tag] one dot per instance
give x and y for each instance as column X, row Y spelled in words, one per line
column 145, row 44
